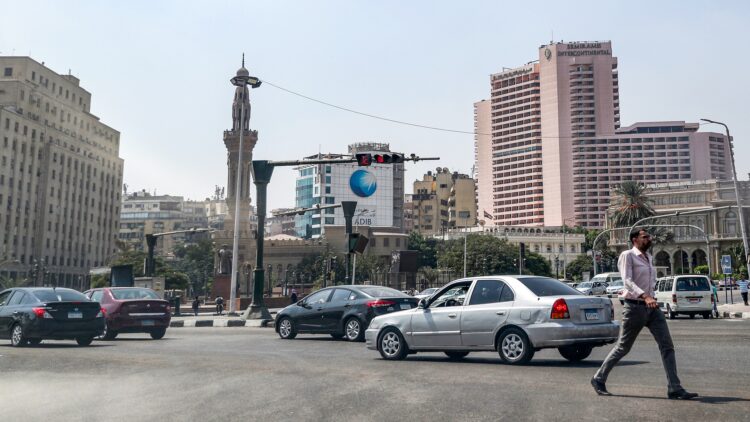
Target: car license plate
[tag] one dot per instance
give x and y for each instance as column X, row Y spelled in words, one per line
column 75, row 315
column 694, row 300
column 147, row 322
column 591, row 314
column 405, row 306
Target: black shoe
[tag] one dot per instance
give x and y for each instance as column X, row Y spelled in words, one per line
column 600, row 388
column 681, row 395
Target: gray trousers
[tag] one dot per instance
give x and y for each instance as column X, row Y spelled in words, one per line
column 634, row 318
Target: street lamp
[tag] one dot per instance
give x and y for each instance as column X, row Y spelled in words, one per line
column 736, row 189
column 565, row 248
column 241, row 80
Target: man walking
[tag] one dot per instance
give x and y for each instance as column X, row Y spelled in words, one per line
column 742, row 283
column 641, row 310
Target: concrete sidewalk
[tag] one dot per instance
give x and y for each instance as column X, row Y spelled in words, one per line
column 212, row 320
column 736, row 310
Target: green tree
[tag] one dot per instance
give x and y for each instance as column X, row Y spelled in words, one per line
column 99, row 280
column 426, row 248
column 488, row 255
column 577, row 267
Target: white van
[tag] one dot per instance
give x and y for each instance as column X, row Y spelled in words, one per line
column 685, row 294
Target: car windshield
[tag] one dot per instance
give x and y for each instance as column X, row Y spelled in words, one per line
column 428, row 291
column 587, row 284
column 599, row 279
column 692, row 284
column 617, row 283
column 125, row 294
column 542, row 286
column 60, row 295
column 382, row 292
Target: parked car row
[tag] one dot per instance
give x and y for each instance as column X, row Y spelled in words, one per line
column 513, row 315
column 29, row 315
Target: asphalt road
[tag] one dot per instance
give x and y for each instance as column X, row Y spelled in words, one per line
column 207, row 374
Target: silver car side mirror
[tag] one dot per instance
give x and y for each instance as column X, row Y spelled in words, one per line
column 422, row 303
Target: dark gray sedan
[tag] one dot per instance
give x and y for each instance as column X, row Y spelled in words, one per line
column 514, row 315
column 341, row 311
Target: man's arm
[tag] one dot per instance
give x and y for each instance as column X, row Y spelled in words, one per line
column 625, row 265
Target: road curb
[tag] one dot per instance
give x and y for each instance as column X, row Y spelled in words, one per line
column 743, row 315
column 221, row 323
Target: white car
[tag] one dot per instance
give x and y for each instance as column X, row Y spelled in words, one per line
column 592, row 288
column 424, row 294
column 685, row 294
column 615, row 288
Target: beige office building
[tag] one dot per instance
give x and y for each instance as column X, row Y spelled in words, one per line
column 60, row 177
column 556, row 147
column 443, row 200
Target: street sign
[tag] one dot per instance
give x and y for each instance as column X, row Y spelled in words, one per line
column 726, row 264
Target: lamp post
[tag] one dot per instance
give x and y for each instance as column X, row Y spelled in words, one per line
column 565, row 248
column 241, row 80
column 736, row 189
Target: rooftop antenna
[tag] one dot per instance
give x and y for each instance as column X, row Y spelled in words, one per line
column 243, row 59
column 552, row 38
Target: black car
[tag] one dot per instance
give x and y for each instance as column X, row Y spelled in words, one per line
column 30, row 315
column 341, row 311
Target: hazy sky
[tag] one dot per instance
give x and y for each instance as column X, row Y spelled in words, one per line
column 159, row 72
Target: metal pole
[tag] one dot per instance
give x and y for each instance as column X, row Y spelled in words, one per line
column 464, row 255
column 354, row 269
column 262, row 172
column 565, row 252
column 238, row 190
column 736, row 190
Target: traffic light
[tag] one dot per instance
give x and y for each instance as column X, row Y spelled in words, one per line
column 357, row 242
column 388, row 158
column 523, row 249
column 364, row 159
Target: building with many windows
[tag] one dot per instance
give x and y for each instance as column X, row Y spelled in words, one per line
column 549, row 146
column 443, row 200
column 60, row 177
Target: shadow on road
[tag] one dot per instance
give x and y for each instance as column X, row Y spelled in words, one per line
column 72, row 345
column 701, row 399
column 117, row 340
column 533, row 363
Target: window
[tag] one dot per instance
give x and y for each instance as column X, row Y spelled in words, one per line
column 4, row 298
column 8, row 71
column 341, row 295
column 318, row 297
column 542, row 286
column 398, row 242
column 97, row 296
column 60, row 295
column 329, row 220
column 16, row 299
column 489, row 291
column 386, row 242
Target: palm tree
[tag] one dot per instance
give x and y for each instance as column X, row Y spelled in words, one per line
column 631, row 204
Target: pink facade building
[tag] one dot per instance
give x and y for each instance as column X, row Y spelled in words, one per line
column 557, row 148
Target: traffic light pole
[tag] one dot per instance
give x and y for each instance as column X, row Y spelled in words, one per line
column 262, row 172
column 348, row 207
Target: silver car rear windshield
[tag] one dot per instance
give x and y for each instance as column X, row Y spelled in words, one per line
column 382, row 292
column 542, row 286
column 135, row 293
column 60, row 295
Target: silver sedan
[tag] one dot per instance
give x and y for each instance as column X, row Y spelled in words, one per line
column 514, row 315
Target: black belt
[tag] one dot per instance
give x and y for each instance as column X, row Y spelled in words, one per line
column 635, row 302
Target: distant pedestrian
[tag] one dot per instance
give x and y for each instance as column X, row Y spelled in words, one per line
column 219, row 305
column 715, row 292
column 636, row 267
column 196, row 305
column 743, row 287
column 293, row 296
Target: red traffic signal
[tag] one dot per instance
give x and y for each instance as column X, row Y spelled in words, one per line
column 388, row 158
column 364, row 159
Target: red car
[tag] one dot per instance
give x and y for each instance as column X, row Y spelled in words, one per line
column 132, row 310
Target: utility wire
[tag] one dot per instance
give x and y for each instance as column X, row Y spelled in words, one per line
column 401, row 122
column 371, row 115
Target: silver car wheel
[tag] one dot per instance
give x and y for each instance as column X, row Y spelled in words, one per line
column 17, row 335
column 512, row 347
column 352, row 329
column 285, row 328
column 390, row 344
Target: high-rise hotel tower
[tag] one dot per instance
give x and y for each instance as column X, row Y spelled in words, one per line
column 549, row 147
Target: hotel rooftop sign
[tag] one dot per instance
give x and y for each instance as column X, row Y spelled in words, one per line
column 585, row 49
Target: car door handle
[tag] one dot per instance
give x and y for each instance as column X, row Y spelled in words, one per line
column 500, row 312
column 319, row 309
column 451, row 315
column 347, row 305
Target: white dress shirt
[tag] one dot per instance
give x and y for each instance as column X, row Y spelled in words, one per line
column 638, row 273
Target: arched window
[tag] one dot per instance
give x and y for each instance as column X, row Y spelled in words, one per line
column 730, row 223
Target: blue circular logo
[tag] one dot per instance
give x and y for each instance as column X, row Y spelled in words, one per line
column 363, row 183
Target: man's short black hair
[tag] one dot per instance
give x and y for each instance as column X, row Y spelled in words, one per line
column 635, row 233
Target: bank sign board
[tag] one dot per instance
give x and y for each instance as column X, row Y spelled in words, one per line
column 371, row 187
